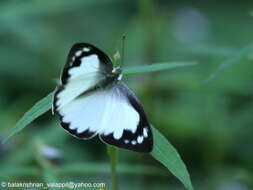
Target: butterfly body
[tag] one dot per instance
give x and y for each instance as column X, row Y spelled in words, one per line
column 92, row 100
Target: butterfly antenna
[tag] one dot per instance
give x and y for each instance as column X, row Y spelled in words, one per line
column 122, row 48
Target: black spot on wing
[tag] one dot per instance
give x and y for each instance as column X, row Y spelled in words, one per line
column 75, row 61
column 129, row 140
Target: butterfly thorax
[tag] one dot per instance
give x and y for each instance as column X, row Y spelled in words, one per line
column 110, row 80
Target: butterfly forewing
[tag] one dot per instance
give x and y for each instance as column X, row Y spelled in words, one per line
column 86, row 66
column 77, row 55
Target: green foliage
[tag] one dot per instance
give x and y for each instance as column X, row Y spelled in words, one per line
column 155, row 67
column 163, row 150
column 205, row 111
column 38, row 109
column 165, row 153
column 232, row 60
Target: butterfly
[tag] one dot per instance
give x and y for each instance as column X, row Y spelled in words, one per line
column 92, row 100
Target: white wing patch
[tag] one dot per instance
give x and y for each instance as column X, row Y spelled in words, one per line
column 78, row 53
column 86, row 49
column 82, row 78
column 103, row 112
column 85, row 113
column 119, row 115
column 89, row 64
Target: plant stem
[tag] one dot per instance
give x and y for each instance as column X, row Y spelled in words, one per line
column 113, row 153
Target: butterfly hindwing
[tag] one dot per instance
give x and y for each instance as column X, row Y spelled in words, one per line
column 115, row 114
column 128, row 126
column 82, row 116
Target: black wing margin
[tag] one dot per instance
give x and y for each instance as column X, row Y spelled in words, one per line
column 129, row 140
column 75, row 61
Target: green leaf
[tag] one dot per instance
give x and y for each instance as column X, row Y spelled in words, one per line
column 156, row 67
column 38, row 109
column 231, row 61
column 166, row 154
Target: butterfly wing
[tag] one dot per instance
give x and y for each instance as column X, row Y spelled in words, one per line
column 115, row 114
column 125, row 123
column 82, row 116
column 86, row 66
column 78, row 54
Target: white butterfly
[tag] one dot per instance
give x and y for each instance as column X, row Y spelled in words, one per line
column 91, row 100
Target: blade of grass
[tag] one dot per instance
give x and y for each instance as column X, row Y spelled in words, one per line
column 38, row 109
column 231, row 61
column 156, row 67
column 166, row 154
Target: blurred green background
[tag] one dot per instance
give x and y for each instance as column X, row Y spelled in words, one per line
column 209, row 123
